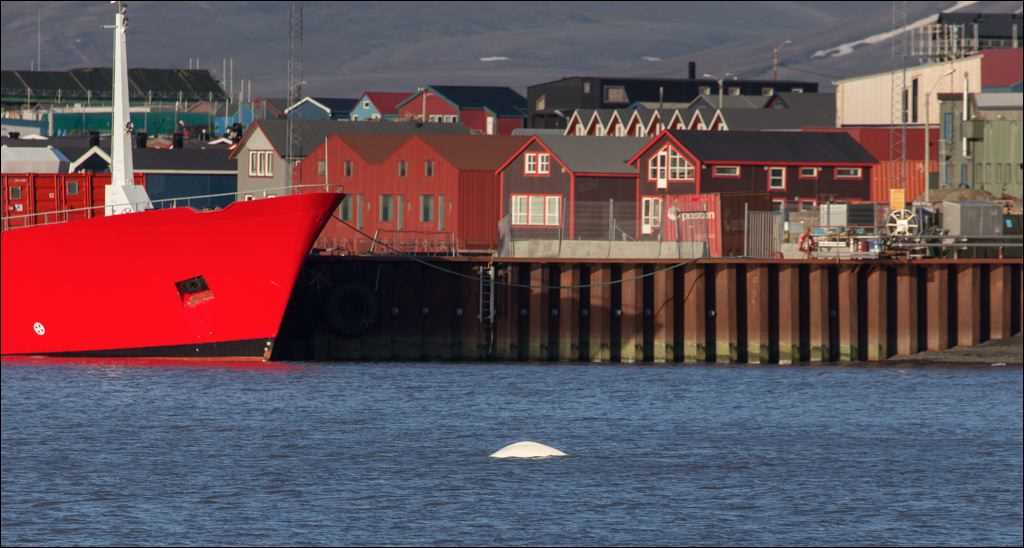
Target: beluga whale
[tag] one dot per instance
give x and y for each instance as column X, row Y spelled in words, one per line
column 527, row 450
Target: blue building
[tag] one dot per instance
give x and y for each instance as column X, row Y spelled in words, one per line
column 321, row 108
column 378, row 105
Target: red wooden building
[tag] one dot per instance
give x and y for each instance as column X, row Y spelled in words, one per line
column 795, row 168
column 486, row 110
column 415, row 194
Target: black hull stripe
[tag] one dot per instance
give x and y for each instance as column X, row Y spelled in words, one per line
column 251, row 348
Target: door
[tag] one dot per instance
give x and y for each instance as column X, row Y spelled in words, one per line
column 651, row 215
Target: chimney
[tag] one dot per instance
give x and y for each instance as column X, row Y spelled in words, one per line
column 94, row 139
column 178, row 140
column 140, row 139
column 693, row 70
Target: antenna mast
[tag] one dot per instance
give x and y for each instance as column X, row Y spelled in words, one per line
column 901, row 100
column 294, row 79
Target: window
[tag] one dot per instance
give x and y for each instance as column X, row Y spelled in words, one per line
column 261, row 163
column 615, row 94
column 541, row 103
column 705, row 90
column 734, row 91
column 531, row 163
column 767, row 91
column 321, row 167
column 551, row 210
column 426, row 208
column 586, row 87
column 428, row 168
column 536, row 210
column 450, row 119
column 658, row 128
column 490, row 126
column 403, row 168
column 359, row 211
column 519, row 204
column 544, row 163
column 808, row 173
column 848, row 173
column 913, row 100
column 386, row 211
column 797, row 90
column 580, row 130
column 248, row 198
column 657, row 169
column 638, row 130
column 15, row 193
column 679, row 168
column 440, row 212
column 348, row 168
column 72, row 188
column 345, row 209
column 651, row 216
column 727, row 171
column 620, row 131
column 777, row 178
column 807, row 205
column 947, row 127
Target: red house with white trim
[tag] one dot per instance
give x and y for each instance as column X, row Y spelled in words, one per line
column 486, row 110
column 794, row 167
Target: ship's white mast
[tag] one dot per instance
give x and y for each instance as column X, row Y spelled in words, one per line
column 122, row 194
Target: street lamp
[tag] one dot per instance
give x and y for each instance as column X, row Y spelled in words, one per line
column 927, row 128
column 775, row 59
column 720, row 85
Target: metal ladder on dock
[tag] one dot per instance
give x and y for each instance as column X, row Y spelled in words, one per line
column 487, row 313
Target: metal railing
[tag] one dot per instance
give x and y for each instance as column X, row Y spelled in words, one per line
column 64, row 215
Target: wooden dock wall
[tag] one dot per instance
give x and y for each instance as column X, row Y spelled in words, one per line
column 711, row 310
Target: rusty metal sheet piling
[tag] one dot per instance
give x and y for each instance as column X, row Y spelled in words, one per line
column 758, row 321
column 789, row 314
column 906, row 310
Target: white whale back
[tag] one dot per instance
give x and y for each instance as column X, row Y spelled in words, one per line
column 527, row 450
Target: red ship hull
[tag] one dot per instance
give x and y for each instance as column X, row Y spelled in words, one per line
column 170, row 282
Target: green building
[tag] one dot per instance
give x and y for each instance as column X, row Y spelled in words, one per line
column 991, row 138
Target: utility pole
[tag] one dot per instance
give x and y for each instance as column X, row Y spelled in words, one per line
column 775, row 59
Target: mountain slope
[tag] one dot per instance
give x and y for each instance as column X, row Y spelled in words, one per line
column 350, row 47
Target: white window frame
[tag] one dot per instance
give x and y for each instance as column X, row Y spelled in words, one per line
column 620, row 130
column 772, row 176
column 530, row 165
column 858, row 173
column 543, row 163
column 727, row 171
column 552, row 210
column 679, row 168
column 814, row 173
column 261, row 163
column 650, row 214
column 76, row 188
column 657, row 170
column 536, row 209
column 520, row 209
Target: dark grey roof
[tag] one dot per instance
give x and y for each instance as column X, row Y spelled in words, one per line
column 160, row 84
column 819, row 102
column 313, row 132
column 774, row 146
column 733, row 101
column 339, row 106
column 990, row 25
column 594, row 154
column 182, row 159
column 502, row 101
column 776, row 119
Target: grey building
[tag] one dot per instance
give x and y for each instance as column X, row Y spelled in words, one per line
column 991, row 137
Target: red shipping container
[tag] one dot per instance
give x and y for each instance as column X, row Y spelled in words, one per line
column 35, row 198
column 887, row 175
column 717, row 219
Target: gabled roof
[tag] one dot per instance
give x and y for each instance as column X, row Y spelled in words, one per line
column 732, row 101
column 313, row 132
column 333, row 106
column 594, row 154
column 502, row 101
column 387, row 101
column 474, row 152
column 773, row 146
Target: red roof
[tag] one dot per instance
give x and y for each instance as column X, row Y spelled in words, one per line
column 387, row 101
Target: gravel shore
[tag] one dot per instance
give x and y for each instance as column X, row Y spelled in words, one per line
column 1009, row 352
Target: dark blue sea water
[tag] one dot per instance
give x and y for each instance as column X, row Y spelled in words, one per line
column 398, row 454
